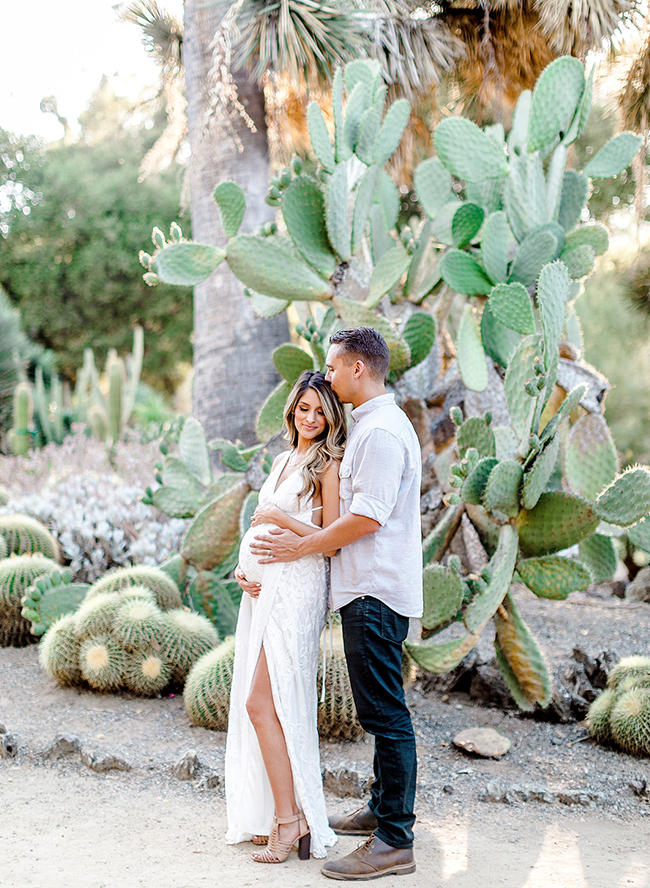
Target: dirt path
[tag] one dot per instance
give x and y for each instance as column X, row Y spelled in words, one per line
column 67, row 829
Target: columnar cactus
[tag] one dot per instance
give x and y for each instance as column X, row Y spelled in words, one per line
column 501, row 227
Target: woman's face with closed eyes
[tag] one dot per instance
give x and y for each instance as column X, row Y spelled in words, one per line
column 309, row 417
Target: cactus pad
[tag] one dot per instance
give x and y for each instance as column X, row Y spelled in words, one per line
column 627, row 499
column 175, row 502
column 303, row 210
column 387, row 272
column 362, row 205
column 524, row 659
column 356, row 315
column 502, row 565
column 432, row 183
column 552, row 291
column 58, row 651
column 579, row 260
column 391, row 131
column 441, row 657
column 553, row 576
column 524, row 195
column 463, row 273
column 215, row 530
column 594, row 235
column 494, row 247
column 231, row 201
column 266, row 306
column 536, row 250
column 559, row 520
column 614, row 156
column 319, row 137
column 443, row 596
column 471, row 356
column 474, row 485
column 336, row 213
column 573, row 197
column 599, row 554
column 187, row 264
column 274, row 267
column 194, row 451
column 510, row 304
column 502, row 489
column 26, row 536
column 466, row 224
column 639, row 535
column 207, row 690
column 569, row 403
column 521, row 406
column 290, row 361
column 537, row 477
column 499, row 341
column 419, row 333
column 469, row 152
column 436, row 542
column 475, row 432
column 51, row 596
column 556, row 98
column 590, row 458
column 269, row 419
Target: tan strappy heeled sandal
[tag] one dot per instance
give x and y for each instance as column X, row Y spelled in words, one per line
column 278, row 851
column 260, row 840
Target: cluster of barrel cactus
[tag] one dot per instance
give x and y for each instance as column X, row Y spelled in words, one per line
column 29, row 555
column 43, row 414
column 207, row 690
column 620, row 716
column 129, row 632
column 502, row 235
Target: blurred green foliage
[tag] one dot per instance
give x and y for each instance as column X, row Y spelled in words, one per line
column 617, row 342
column 69, row 218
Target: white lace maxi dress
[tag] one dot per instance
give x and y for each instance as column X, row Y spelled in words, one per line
column 288, row 618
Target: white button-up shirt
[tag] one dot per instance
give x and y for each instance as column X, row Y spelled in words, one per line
column 380, row 478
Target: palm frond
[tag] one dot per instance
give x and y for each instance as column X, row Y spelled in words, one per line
column 300, row 37
column 414, row 45
column 635, row 99
column 162, row 33
column 575, row 26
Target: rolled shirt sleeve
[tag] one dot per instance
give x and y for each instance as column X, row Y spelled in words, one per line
column 378, row 468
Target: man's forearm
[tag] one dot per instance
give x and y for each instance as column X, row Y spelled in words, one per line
column 345, row 530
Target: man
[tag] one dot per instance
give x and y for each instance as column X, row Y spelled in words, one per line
column 377, row 585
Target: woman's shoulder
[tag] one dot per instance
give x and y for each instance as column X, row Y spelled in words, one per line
column 331, row 470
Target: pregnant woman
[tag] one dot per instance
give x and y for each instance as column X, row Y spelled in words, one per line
column 273, row 777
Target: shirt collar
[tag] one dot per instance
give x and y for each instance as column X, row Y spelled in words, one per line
column 368, row 406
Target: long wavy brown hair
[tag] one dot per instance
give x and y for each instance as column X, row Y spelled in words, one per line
column 330, row 443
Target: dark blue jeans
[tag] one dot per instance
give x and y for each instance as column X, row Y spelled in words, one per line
column 372, row 636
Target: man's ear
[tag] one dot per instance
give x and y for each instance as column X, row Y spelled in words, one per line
column 359, row 367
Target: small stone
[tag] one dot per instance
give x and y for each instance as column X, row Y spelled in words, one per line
column 187, row 767
column 448, row 789
column 640, row 788
column 8, row 746
column 212, row 780
column 63, row 746
column 484, row 742
column 445, row 698
column 107, row 763
column 578, row 797
column 495, row 792
column 346, row 782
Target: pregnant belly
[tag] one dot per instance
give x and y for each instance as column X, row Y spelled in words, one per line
column 248, row 562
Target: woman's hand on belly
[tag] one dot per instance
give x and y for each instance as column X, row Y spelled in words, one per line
column 252, row 589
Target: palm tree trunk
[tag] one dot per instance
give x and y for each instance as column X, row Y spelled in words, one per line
column 233, row 371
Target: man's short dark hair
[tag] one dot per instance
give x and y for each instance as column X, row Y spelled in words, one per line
column 365, row 344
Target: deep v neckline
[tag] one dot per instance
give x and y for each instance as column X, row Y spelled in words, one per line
column 278, row 483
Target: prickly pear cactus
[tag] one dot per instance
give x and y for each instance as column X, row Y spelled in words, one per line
column 501, row 235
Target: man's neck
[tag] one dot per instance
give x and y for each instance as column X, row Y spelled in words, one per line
column 368, row 394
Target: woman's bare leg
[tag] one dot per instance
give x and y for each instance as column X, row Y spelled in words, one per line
column 261, row 711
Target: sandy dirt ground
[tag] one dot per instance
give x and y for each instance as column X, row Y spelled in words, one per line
column 67, row 826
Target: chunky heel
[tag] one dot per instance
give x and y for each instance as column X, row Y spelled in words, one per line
column 304, row 846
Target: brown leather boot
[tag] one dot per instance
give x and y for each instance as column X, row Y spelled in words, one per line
column 361, row 822
column 370, row 861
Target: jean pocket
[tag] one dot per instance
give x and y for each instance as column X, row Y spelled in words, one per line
column 393, row 626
